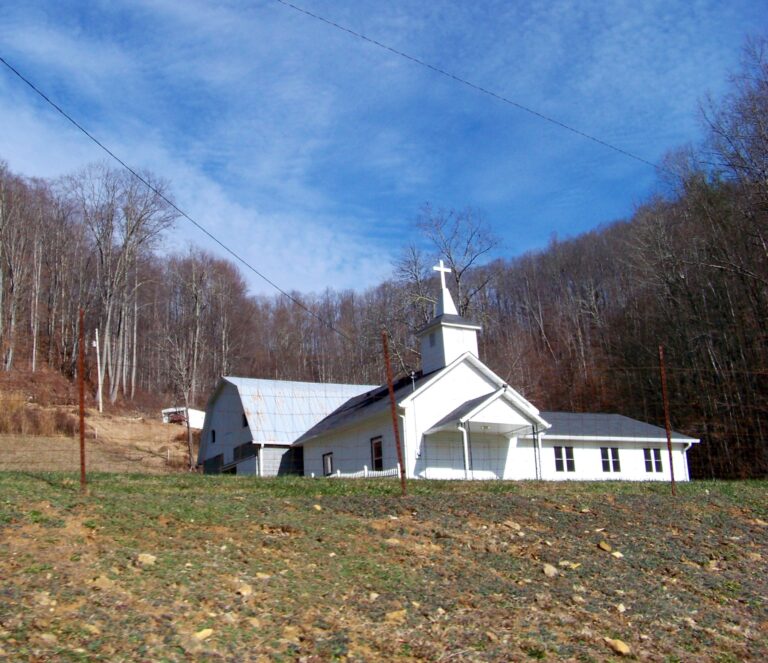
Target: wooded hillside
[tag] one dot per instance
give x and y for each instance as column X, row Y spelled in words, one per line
column 576, row 326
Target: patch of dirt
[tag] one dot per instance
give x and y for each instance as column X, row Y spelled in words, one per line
column 226, row 568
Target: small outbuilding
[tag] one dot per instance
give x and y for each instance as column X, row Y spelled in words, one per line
column 180, row 414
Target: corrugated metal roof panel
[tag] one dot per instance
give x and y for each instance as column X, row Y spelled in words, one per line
column 279, row 411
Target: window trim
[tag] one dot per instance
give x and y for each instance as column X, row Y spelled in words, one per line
column 653, row 462
column 610, row 459
column 328, row 464
column 564, row 460
column 377, row 441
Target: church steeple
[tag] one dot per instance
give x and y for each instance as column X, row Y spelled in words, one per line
column 448, row 335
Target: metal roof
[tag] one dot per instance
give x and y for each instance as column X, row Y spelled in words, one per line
column 365, row 405
column 615, row 426
column 279, row 411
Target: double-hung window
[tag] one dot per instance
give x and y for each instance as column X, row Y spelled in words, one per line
column 610, row 458
column 653, row 460
column 377, row 455
column 564, row 459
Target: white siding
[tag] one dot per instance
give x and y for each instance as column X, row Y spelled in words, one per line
column 458, row 341
column 521, row 461
column 488, row 456
column 226, row 419
column 352, row 448
column 447, row 393
column 273, row 458
column 432, row 352
column 449, row 344
column 441, row 457
column 589, row 465
column 500, row 411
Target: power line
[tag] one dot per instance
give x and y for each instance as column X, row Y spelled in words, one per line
column 475, row 86
column 173, row 205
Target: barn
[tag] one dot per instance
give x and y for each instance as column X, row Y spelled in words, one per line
column 250, row 424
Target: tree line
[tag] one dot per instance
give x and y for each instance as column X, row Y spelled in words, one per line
column 575, row 326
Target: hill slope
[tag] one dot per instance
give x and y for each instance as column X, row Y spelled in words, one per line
column 167, row 568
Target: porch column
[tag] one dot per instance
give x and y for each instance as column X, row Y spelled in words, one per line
column 465, row 442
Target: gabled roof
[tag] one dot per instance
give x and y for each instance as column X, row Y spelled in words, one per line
column 575, row 425
column 469, row 358
column 462, row 411
column 474, row 407
column 278, row 411
column 406, row 388
column 366, row 405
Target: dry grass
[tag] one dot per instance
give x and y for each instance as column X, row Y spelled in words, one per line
column 37, row 439
column 20, row 417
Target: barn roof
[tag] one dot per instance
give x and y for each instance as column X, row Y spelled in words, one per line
column 279, row 411
column 605, row 426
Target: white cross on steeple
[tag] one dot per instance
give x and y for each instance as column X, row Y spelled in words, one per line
column 443, row 271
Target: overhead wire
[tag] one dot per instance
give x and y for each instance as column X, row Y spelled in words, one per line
column 358, row 35
column 474, row 86
column 173, row 205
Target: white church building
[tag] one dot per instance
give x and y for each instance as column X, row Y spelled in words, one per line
column 457, row 420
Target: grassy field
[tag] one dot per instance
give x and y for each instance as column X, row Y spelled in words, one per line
column 186, row 567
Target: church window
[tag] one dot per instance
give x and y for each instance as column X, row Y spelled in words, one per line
column 610, row 458
column 652, row 460
column 245, row 420
column 377, row 455
column 564, row 459
column 213, row 437
column 328, row 464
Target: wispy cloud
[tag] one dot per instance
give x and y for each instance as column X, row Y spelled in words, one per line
column 312, row 151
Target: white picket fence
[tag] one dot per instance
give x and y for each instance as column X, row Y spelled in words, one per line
column 365, row 473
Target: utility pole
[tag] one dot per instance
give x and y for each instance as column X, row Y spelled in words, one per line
column 81, row 386
column 666, row 417
column 393, row 408
column 98, row 370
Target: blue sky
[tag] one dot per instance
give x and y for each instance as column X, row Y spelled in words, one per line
column 310, row 152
